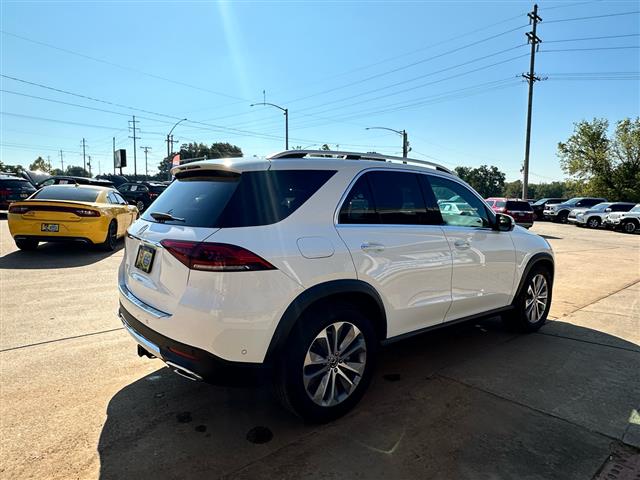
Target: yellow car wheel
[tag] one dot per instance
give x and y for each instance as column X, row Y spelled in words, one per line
column 109, row 244
column 27, row 244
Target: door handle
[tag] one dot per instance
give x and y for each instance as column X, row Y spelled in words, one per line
column 372, row 247
column 462, row 244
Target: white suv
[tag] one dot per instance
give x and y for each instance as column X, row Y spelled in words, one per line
column 295, row 268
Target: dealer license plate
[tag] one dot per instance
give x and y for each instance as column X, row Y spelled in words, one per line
column 144, row 259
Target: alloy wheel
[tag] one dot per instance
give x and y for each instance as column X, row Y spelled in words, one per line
column 629, row 227
column 593, row 223
column 334, row 364
column 140, row 205
column 537, row 297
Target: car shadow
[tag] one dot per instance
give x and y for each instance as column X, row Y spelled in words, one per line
column 56, row 255
column 431, row 393
column 550, row 237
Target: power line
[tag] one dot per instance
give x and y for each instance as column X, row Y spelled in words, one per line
column 593, row 38
column 589, row 49
column 113, row 64
column 592, row 16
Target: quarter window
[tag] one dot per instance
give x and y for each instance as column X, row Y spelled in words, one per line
column 457, row 204
column 398, row 198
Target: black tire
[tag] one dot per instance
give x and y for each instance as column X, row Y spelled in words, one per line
column 518, row 319
column 593, row 222
column 27, row 244
column 562, row 217
column 140, row 206
column 629, row 226
column 289, row 384
column 109, row 244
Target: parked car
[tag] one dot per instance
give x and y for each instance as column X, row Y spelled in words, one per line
column 141, row 194
column 71, row 213
column 298, row 266
column 560, row 211
column 520, row 210
column 71, row 180
column 594, row 216
column 13, row 189
column 629, row 221
column 539, row 206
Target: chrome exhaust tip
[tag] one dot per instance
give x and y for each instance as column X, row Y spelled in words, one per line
column 184, row 372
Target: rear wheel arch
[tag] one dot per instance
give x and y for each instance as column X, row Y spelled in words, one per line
column 355, row 292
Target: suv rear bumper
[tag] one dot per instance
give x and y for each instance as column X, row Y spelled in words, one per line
column 190, row 362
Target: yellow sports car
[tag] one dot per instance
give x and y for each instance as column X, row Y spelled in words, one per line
column 76, row 213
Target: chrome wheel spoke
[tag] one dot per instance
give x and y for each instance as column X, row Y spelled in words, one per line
column 334, row 364
column 536, row 298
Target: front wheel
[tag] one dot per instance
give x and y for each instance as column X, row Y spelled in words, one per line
column 593, row 222
column 562, row 217
column 328, row 362
column 531, row 306
column 629, row 226
column 140, row 205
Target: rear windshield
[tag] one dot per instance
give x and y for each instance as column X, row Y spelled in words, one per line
column 157, row 188
column 22, row 184
column 518, row 206
column 61, row 192
column 229, row 200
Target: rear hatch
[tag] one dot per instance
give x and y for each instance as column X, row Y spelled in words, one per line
column 13, row 191
column 177, row 233
column 521, row 211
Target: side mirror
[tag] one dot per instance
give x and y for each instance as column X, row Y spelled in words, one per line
column 607, row 210
column 504, row 223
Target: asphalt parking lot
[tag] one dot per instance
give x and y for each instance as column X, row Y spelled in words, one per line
column 471, row 401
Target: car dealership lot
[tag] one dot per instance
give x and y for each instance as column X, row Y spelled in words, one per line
column 469, row 401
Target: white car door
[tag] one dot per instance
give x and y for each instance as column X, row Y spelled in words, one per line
column 484, row 262
column 385, row 225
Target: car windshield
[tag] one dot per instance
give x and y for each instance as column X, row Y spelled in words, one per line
column 21, row 184
column 573, row 201
column 62, row 192
column 636, row 209
column 601, row 207
column 542, row 201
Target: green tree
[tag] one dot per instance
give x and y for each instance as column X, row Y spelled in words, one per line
column 74, row 171
column 192, row 151
column 39, row 164
column 12, row 169
column 603, row 166
column 487, row 181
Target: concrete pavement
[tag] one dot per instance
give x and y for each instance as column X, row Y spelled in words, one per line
column 466, row 402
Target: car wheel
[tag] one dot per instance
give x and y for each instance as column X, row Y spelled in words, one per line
column 327, row 363
column 593, row 222
column 27, row 244
column 562, row 217
column 531, row 306
column 109, row 244
column 629, row 226
column 140, row 205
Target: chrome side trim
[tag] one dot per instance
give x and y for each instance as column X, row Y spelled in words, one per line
column 143, row 342
column 126, row 293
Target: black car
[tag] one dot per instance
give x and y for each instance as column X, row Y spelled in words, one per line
column 70, row 180
column 538, row 206
column 141, row 194
column 13, row 189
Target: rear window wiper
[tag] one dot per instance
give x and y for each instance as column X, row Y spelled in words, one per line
column 163, row 217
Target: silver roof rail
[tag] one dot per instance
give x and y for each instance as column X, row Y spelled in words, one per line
column 357, row 156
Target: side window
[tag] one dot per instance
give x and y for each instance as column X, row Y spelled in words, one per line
column 398, row 197
column 51, row 181
column 110, row 198
column 124, row 188
column 620, row 208
column 458, row 206
column 119, row 199
column 133, row 188
column 359, row 207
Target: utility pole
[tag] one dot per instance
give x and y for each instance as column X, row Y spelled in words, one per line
column 89, row 166
column 114, row 155
column 405, row 138
column 49, row 162
column 286, row 118
column 146, row 168
column 99, row 169
column 531, row 78
column 62, row 161
column 133, row 128
column 84, row 161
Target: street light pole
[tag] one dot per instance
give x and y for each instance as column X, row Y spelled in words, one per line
column 403, row 133
column 170, row 144
column 286, row 120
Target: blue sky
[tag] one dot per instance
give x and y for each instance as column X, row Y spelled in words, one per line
column 339, row 66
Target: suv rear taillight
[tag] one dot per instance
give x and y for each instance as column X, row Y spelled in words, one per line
column 215, row 257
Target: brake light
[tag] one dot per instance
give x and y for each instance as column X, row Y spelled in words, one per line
column 215, row 257
column 153, row 195
column 5, row 191
column 501, row 209
column 84, row 212
column 18, row 209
